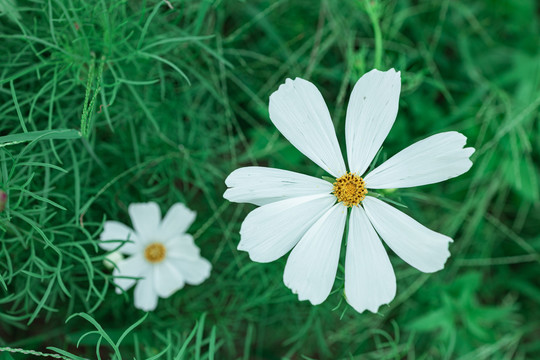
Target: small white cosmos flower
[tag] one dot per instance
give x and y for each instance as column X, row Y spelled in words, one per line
column 308, row 215
column 160, row 253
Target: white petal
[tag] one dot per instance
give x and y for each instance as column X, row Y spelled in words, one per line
column 369, row 278
column 184, row 256
column 114, row 234
column 146, row 297
column 437, row 158
column 145, row 218
column 178, row 219
column 112, row 259
column 371, row 112
column 182, row 247
column 299, row 112
column 270, row 231
column 417, row 245
column 133, row 267
column 194, row 271
column 312, row 265
column 167, row 279
column 261, row 186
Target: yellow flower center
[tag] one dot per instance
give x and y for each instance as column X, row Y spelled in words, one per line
column 155, row 252
column 350, row 189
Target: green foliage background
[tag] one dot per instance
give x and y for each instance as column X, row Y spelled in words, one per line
column 171, row 99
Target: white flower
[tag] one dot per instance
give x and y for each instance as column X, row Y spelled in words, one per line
column 160, row 253
column 308, row 215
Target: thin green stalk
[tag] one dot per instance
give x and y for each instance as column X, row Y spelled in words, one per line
column 372, row 11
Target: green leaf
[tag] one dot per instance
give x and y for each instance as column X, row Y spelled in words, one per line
column 329, row 179
column 62, row 134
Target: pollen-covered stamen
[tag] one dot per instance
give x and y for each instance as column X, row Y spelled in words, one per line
column 155, row 252
column 350, row 189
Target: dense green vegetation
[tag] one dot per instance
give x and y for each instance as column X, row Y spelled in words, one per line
column 105, row 103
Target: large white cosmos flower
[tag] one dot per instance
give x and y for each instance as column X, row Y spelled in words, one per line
column 160, row 253
column 308, row 215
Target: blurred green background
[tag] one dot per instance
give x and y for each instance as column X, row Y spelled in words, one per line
column 170, row 97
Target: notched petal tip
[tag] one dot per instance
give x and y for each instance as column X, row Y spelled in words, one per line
column 254, row 256
column 444, row 258
column 372, row 309
column 315, row 302
column 461, row 143
column 285, row 86
column 256, row 259
column 242, row 247
column 389, row 72
column 227, row 195
column 375, row 309
column 288, row 86
column 229, row 179
column 466, row 152
column 303, row 295
column 469, row 151
column 205, row 268
column 231, row 183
